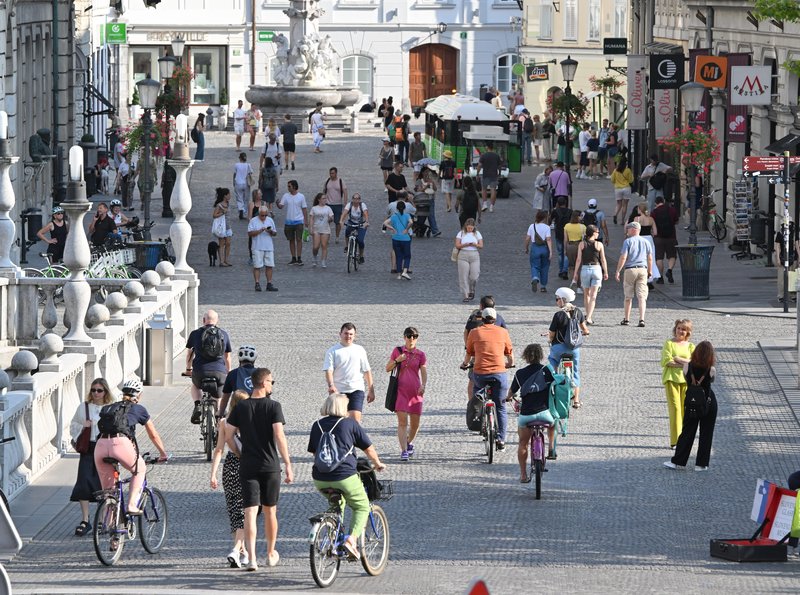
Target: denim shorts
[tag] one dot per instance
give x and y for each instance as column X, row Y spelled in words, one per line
column 591, row 275
column 543, row 416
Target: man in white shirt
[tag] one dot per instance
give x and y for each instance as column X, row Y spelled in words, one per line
column 238, row 123
column 583, row 139
column 347, row 371
column 261, row 230
column 655, row 183
column 295, row 222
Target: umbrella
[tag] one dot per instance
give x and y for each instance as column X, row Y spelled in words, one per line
column 427, row 161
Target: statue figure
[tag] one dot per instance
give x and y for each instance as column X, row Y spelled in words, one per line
column 39, row 145
column 282, row 51
column 326, row 64
column 298, row 57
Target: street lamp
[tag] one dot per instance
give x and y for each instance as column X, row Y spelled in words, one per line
column 568, row 68
column 148, row 93
column 177, row 48
column 692, row 97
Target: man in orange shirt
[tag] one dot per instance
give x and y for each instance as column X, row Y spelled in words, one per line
column 490, row 345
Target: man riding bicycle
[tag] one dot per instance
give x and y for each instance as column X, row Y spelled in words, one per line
column 491, row 347
column 208, row 354
column 356, row 217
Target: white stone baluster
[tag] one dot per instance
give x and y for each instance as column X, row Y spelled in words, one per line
column 7, row 201
column 116, row 302
column 180, row 232
column 133, row 290
column 76, row 252
column 71, row 399
column 166, row 271
column 149, row 280
column 179, row 331
column 49, row 312
column 50, row 346
column 96, row 318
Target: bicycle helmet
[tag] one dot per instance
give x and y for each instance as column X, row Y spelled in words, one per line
column 247, row 353
column 566, row 294
column 57, row 210
column 132, row 387
column 115, row 203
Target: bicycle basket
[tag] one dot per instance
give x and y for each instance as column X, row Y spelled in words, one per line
column 376, row 490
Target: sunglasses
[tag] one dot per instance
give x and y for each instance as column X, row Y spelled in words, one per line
column 412, row 336
column 97, row 390
column 270, row 380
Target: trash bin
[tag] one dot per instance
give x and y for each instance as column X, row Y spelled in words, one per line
column 158, row 351
column 148, row 255
column 758, row 230
column 695, row 271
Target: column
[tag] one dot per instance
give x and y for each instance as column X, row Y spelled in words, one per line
column 7, row 200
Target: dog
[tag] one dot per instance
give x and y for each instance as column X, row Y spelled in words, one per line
column 213, row 250
column 104, row 175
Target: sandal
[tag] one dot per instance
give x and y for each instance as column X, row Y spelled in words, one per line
column 576, row 404
column 187, row 373
column 351, row 549
column 525, row 479
column 134, row 512
column 83, row 528
column 625, row 322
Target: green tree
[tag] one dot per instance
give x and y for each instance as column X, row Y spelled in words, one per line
column 780, row 10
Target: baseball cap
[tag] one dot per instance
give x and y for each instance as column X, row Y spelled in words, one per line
column 633, row 225
column 387, row 140
column 489, row 313
column 592, row 202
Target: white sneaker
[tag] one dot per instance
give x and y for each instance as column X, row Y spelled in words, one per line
column 484, row 206
column 491, row 208
column 234, row 559
column 701, row 468
column 324, row 264
column 314, row 262
column 670, row 465
column 244, row 559
column 579, row 290
column 251, row 566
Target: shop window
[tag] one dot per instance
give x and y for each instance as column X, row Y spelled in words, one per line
column 210, row 66
column 504, row 79
column 357, row 72
column 144, row 63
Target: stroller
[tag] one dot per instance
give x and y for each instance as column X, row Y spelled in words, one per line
column 422, row 201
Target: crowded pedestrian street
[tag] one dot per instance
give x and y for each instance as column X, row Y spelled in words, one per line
column 611, row 518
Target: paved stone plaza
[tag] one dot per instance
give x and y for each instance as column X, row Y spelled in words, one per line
column 611, row 519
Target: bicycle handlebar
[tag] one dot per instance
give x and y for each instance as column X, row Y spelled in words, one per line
column 9, row 439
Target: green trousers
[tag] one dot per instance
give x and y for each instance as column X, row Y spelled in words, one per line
column 356, row 498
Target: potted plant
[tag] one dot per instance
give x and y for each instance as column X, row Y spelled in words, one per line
column 134, row 109
column 223, row 109
column 693, row 146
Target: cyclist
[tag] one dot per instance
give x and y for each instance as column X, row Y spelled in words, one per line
column 123, row 447
column 348, row 434
column 475, row 320
column 490, row 345
column 535, row 404
column 559, row 329
column 239, row 378
column 356, row 217
column 208, row 353
column 116, row 213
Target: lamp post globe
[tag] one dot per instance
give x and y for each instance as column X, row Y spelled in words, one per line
column 692, row 95
column 177, row 48
column 568, row 68
column 148, row 92
column 166, row 66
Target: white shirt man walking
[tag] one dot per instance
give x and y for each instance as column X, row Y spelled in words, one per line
column 636, row 258
column 347, row 371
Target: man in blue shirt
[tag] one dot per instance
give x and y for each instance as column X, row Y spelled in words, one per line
column 636, row 257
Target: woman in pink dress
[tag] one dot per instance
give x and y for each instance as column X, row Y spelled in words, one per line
column 413, row 375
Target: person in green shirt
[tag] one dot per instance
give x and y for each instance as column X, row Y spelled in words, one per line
column 676, row 352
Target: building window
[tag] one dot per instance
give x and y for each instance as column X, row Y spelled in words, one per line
column 621, row 18
column 144, row 63
column 594, row 20
column 210, row 67
column 570, row 19
column 357, row 72
column 505, row 79
column 546, row 20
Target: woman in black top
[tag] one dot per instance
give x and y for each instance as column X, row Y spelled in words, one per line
column 468, row 203
column 591, row 265
column 58, row 230
column 535, row 404
column 701, row 368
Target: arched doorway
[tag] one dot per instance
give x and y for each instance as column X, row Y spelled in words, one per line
column 432, row 72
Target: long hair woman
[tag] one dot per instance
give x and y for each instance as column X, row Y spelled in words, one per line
column 223, row 231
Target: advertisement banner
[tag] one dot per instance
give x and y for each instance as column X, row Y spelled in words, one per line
column 711, row 71
column 667, row 71
column 664, row 107
column 535, row 73
column 750, row 85
column 703, row 117
column 637, row 92
column 736, row 115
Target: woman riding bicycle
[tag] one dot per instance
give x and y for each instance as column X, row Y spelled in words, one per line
column 559, row 329
column 348, row 434
column 356, row 217
column 534, row 406
column 122, row 446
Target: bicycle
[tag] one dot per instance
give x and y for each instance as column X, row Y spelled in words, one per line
column 713, row 222
column 565, row 367
column 352, row 251
column 537, row 449
column 51, row 271
column 488, row 427
column 113, row 525
column 208, row 405
column 326, row 539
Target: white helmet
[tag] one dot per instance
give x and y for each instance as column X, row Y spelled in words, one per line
column 132, row 387
column 247, row 353
column 566, row 294
column 115, row 203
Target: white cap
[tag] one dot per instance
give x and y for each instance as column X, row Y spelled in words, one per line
column 592, row 202
column 489, row 313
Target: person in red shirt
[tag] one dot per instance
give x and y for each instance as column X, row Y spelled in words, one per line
column 490, row 345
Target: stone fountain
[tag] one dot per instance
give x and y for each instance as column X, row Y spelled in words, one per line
column 306, row 68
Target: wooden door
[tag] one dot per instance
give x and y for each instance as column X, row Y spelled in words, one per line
column 432, row 72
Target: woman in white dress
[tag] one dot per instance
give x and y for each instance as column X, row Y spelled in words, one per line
column 649, row 229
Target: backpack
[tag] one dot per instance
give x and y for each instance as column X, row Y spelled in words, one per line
column 537, row 382
column 560, row 396
column 392, row 131
column 474, row 408
column 527, row 126
column 447, row 169
column 562, row 216
column 114, row 419
column 590, row 218
column 212, row 343
column 658, row 180
column 573, row 337
column 327, row 457
column 696, row 402
column 194, row 134
column 268, row 177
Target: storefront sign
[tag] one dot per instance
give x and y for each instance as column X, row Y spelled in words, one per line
column 537, row 73
column 711, row 71
column 703, row 117
column 666, row 71
column 116, row 33
column 736, row 129
column 664, row 102
column 615, row 45
column 168, row 36
column 637, row 93
column 265, row 36
column 751, row 85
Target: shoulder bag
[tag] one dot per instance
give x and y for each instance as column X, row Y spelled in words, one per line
column 81, row 443
column 391, row 390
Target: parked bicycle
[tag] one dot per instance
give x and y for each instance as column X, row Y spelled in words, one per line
column 328, row 531
column 51, row 271
column 113, row 526
column 714, row 223
column 208, row 422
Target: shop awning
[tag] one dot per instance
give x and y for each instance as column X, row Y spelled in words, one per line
column 787, row 143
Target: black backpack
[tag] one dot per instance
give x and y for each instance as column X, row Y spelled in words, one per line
column 696, row 401
column 114, row 419
column 573, row 336
column 447, row 169
column 212, row 343
column 474, row 408
column 194, row 134
column 537, row 382
column 528, row 125
column 590, row 217
column 658, row 180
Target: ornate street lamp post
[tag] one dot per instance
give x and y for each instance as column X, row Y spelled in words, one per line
column 568, row 68
column 692, row 95
column 148, row 93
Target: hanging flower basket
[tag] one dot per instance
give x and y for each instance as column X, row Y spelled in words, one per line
column 577, row 106
column 133, row 137
column 607, row 85
column 696, row 146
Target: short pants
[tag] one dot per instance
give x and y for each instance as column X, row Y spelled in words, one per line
column 263, row 258
column 293, row 232
column 355, row 400
column 260, row 488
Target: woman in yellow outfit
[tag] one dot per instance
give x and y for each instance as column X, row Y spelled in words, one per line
column 573, row 234
column 622, row 178
column 676, row 352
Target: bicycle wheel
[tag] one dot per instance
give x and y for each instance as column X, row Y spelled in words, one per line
column 108, row 539
column 133, row 272
column 491, row 434
column 718, row 229
column 5, row 501
column 153, row 522
column 208, row 435
column 538, row 469
column 355, row 260
column 322, row 553
column 350, row 249
column 374, row 542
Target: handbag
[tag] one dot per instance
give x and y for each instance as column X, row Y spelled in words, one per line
column 391, row 390
column 81, row 443
column 218, row 227
column 454, row 254
column 251, row 181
